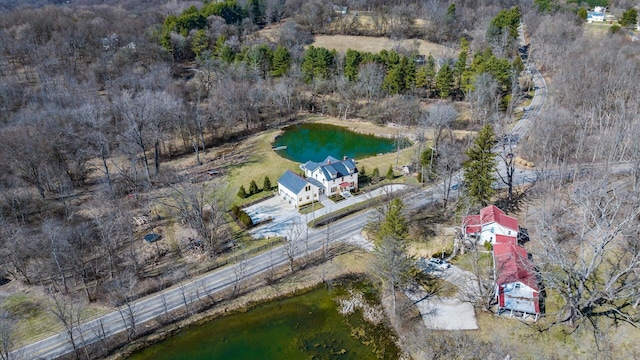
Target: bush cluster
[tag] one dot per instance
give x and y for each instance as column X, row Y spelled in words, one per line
column 242, row 216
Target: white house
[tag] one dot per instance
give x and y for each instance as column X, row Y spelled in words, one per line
column 297, row 190
column 595, row 16
column 491, row 222
column 516, row 285
column 334, row 175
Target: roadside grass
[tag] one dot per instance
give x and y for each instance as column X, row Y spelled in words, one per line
column 308, row 209
column 35, row 321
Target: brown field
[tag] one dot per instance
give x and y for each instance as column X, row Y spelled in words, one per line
column 375, row 44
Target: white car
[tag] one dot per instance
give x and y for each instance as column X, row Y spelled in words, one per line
column 438, row 264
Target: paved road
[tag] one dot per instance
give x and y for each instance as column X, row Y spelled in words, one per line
column 348, row 229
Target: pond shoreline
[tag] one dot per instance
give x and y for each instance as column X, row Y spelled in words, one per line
column 289, row 285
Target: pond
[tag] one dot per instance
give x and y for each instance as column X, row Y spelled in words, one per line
column 307, row 326
column 313, row 141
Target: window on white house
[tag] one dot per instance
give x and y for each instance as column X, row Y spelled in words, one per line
column 518, row 286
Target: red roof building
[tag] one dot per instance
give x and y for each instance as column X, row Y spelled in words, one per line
column 493, row 214
column 516, row 285
column 504, row 239
column 490, row 223
column 472, row 225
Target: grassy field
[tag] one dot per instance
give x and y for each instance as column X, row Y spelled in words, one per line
column 375, row 44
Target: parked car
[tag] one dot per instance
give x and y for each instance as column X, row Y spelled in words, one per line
column 438, row 264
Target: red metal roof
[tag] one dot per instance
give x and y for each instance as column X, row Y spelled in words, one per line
column 492, row 213
column 512, row 265
column 504, row 239
column 472, row 224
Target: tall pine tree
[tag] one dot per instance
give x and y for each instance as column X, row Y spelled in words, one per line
column 480, row 167
column 444, row 80
column 281, row 61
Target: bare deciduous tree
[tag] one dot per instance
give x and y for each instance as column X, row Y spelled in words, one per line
column 587, row 252
column 201, row 207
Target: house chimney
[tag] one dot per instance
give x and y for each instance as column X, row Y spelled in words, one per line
column 345, row 158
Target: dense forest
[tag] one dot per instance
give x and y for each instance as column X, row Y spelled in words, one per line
column 97, row 98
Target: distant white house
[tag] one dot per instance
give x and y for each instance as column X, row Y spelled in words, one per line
column 297, row 190
column 595, row 16
column 334, row 176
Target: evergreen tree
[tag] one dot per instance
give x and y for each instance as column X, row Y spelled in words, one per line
column 428, row 160
column 395, row 224
column 451, row 13
column 281, row 61
column 352, row 61
column 461, row 64
column 259, row 58
column 266, row 185
column 242, row 193
column 375, row 175
column 253, row 188
column 394, row 80
column 430, row 71
column 219, row 44
column 390, row 175
column 392, row 262
column 257, row 9
column 444, row 81
column 505, row 22
column 480, row 167
column 629, row 17
column 421, row 77
column 409, row 66
column 518, row 65
column 317, row 63
column 583, row 13
column 227, row 54
column 199, row 42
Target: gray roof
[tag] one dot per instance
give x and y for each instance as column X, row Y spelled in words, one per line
column 315, row 182
column 293, row 181
column 331, row 167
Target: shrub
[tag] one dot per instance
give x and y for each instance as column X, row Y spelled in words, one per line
column 376, row 174
column 245, row 219
column 390, row 175
column 614, row 28
column 488, row 246
column 235, row 210
column 242, row 193
column 266, row 185
column 253, row 188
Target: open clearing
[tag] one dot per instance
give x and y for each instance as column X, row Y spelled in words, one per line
column 375, row 44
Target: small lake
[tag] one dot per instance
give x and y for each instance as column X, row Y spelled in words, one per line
column 306, row 326
column 313, row 141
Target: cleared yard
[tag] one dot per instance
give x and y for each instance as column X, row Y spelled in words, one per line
column 375, row 44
